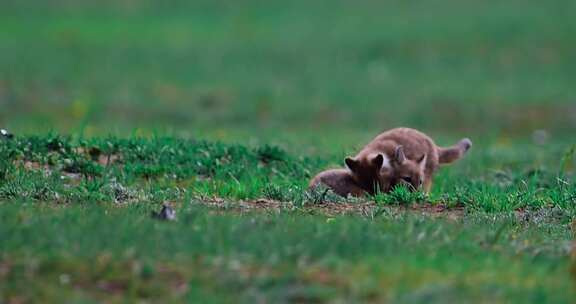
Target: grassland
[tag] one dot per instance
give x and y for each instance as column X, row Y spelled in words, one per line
column 247, row 225
column 224, row 111
column 217, row 69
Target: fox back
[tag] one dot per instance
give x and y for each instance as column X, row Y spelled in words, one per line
column 338, row 180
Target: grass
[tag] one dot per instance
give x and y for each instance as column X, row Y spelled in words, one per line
column 229, row 256
column 67, row 201
column 214, row 69
column 67, row 170
column 224, row 111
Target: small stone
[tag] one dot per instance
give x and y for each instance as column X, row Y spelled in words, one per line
column 6, row 134
column 166, row 213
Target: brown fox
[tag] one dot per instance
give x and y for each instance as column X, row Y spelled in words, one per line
column 339, row 180
column 402, row 156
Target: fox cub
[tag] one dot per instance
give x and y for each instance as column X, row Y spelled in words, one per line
column 398, row 156
column 402, row 156
column 338, row 180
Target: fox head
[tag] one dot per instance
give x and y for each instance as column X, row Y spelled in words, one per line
column 384, row 172
column 406, row 171
column 371, row 172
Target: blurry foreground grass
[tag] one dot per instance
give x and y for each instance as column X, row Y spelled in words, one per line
column 105, row 253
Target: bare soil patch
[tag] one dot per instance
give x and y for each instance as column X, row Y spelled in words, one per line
column 367, row 209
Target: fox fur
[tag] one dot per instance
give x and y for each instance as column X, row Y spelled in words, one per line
column 338, row 180
column 401, row 156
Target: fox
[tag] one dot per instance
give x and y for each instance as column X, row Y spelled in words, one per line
column 338, row 180
column 402, row 156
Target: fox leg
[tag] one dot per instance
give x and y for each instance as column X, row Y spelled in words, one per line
column 454, row 153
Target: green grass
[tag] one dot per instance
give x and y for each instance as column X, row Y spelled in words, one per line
column 288, row 256
column 76, row 170
column 225, row 111
column 67, row 202
column 216, row 69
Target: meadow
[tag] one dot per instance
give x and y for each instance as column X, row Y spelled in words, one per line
column 224, row 111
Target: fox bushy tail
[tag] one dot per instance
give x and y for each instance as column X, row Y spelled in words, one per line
column 455, row 152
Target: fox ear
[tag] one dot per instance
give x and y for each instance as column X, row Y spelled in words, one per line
column 422, row 161
column 399, row 155
column 381, row 161
column 351, row 163
column 378, row 160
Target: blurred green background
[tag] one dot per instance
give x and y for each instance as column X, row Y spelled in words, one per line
column 315, row 73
